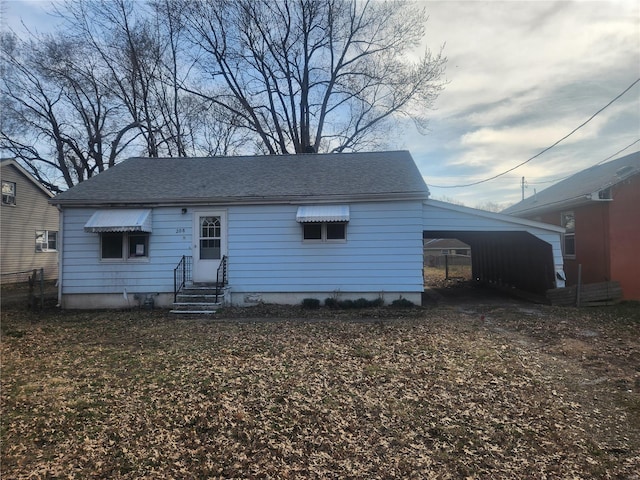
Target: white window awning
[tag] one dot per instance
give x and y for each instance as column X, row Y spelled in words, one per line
column 323, row 213
column 121, row 220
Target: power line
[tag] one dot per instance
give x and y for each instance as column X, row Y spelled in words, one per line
column 619, row 151
column 601, row 161
column 546, row 149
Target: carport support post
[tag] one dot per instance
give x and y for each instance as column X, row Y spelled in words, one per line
column 579, row 287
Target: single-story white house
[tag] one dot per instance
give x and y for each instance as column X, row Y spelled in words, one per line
column 278, row 229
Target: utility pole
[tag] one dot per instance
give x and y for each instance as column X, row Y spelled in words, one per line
column 522, row 188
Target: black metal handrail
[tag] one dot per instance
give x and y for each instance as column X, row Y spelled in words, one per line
column 221, row 276
column 182, row 275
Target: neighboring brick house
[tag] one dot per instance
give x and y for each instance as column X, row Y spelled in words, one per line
column 28, row 225
column 599, row 207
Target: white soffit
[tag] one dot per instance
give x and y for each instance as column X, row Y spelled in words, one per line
column 323, row 213
column 121, row 220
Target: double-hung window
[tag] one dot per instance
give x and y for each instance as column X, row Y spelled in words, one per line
column 568, row 220
column 8, row 193
column 46, row 241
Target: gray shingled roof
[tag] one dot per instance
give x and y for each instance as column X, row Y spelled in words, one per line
column 578, row 189
column 252, row 179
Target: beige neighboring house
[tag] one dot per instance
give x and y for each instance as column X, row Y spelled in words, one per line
column 28, row 226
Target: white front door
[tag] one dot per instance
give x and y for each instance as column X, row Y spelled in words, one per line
column 209, row 244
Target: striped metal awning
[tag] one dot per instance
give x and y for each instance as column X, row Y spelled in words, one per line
column 121, row 220
column 323, row 213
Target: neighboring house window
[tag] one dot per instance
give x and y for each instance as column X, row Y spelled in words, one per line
column 324, row 232
column 8, row 193
column 46, row 241
column 123, row 246
column 569, row 244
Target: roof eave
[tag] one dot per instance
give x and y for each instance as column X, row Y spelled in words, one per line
column 248, row 200
column 497, row 216
column 554, row 206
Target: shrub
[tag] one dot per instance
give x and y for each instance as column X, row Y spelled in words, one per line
column 352, row 304
column 347, row 304
column 331, row 302
column 310, row 303
column 378, row 302
column 402, row 303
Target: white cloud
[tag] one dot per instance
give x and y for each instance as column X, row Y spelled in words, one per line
column 36, row 15
column 522, row 75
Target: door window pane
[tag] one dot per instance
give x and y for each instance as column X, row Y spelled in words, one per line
column 210, row 238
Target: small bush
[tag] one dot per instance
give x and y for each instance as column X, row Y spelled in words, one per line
column 352, row 304
column 331, row 303
column 347, row 304
column 402, row 303
column 378, row 302
column 361, row 303
column 310, row 303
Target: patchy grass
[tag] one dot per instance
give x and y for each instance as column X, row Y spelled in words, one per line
column 436, row 276
column 500, row 392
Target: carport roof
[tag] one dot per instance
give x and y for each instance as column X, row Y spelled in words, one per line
column 516, row 222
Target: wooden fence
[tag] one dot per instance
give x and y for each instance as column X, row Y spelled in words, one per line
column 587, row 295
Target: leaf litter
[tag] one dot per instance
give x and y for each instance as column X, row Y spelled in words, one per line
column 281, row 392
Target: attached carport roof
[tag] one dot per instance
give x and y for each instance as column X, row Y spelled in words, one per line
column 460, row 218
column 505, row 250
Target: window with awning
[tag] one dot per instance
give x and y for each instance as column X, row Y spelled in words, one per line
column 120, row 220
column 323, row 223
column 322, row 213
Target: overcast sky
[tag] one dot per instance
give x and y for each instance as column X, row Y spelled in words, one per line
column 522, row 75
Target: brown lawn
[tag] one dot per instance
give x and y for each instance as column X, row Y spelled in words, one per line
column 494, row 391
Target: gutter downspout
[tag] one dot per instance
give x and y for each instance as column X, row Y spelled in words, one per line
column 60, row 253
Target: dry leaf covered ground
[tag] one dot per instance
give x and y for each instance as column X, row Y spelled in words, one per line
column 477, row 390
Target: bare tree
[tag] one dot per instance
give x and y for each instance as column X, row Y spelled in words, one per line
column 188, row 77
column 76, row 101
column 191, row 124
column 142, row 48
column 57, row 117
column 315, row 75
column 124, row 39
column 490, row 206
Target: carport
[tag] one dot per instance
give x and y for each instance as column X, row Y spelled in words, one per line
column 505, row 250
